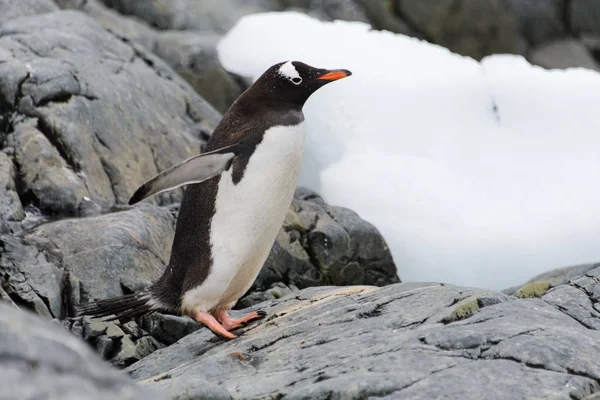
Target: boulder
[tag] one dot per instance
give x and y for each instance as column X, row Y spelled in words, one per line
column 555, row 277
column 206, row 15
column 346, row 10
column 11, row 9
column 408, row 340
column 130, row 27
column 539, row 21
column 57, row 265
column 79, row 145
column 12, row 212
column 121, row 345
column 472, row 28
column 564, row 53
column 579, row 299
column 5, row 296
column 194, row 56
column 168, row 329
column 592, row 43
column 41, row 360
column 384, row 15
column 320, row 245
column 584, row 16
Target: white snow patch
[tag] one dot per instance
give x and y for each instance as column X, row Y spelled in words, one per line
column 477, row 173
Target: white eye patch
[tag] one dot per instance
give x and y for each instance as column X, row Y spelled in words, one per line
column 289, row 71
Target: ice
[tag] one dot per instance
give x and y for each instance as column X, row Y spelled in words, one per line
column 477, row 173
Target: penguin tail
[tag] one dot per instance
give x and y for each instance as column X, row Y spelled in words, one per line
column 122, row 308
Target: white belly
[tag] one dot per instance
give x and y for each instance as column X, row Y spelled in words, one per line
column 248, row 217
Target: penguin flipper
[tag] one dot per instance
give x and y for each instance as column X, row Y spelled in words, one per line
column 193, row 170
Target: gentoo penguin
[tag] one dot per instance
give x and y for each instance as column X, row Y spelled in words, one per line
column 238, row 193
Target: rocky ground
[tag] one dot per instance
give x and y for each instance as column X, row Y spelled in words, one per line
column 407, row 341
column 40, row 360
column 97, row 97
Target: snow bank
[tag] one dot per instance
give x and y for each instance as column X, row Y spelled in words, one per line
column 481, row 174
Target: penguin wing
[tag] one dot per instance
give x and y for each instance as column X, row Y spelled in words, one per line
column 193, row 170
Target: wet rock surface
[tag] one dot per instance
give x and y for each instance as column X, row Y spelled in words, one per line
column 401, row 341
column 39, row 359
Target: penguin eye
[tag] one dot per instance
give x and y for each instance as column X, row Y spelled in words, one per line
column 296, row 81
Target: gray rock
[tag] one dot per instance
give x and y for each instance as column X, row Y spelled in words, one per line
column 105, row 347
column 80, row 145
column 322, row 244
column 126, row 352
column 410, row 341
column 539, row 21
column 121, row 345
column 556, row 277
column 346, row 10
column 383, row 15
column 93, row 328
column 564, row 53
column 11, row 9
column 276, row 291
column 145, row 346
column 592, row 43
column 57, row 265
column 584, row 16
column 206, row 15
column 4, row 296
column 60, row 264
column 579, row 298
column 130, row 27
column 472, row 28
column 194, row 56
column 11, row 208
column 168, row 329
column 43, row 361
column 132, row 329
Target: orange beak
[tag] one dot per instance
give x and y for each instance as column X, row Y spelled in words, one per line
column 335, row 75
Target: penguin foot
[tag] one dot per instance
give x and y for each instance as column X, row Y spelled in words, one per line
column 211, row 323
column 230, row 324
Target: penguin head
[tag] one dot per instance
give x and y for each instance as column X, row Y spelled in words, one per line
column 293, row 82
